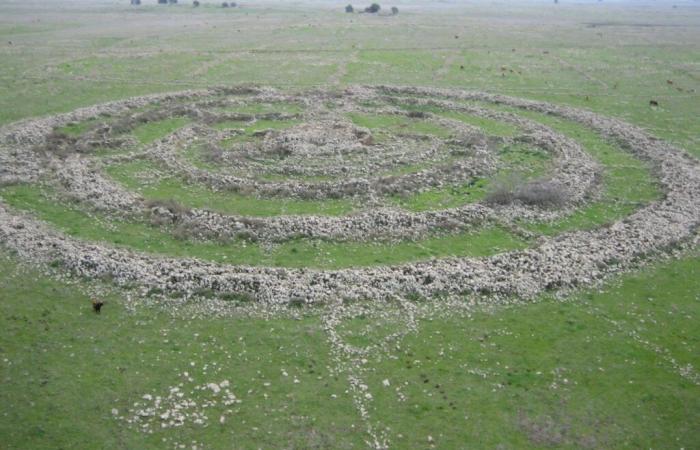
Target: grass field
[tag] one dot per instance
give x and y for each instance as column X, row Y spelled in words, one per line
column 614, row 366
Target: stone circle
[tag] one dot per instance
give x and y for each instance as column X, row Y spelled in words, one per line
column 315, row 146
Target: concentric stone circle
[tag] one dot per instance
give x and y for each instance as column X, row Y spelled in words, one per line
column 322, row 154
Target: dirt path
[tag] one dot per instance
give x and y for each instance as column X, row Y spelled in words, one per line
column 337, row 77
column 445, row 69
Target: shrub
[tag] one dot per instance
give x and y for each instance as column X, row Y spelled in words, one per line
column 279, row 150
column 135, row 2
column 415, row 296
column 373, row 8
column 181, row 232
column 162, row 2
column 417, row 114
column 394, row 10
column 542, row 193
column 502, row 190
column 236, row 297
column 349, row 9
column 204, row 292
column 172, row 206
column 62, row 145
column 213, row 154
column 195, row 3
column 296, row 302
column 224, row 5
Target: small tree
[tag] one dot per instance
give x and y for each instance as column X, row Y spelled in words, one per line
column 195, row 3
column 373, row 8
column 394, row 10
column 224, row 5
column 349, row 9
column 162, row 2
column 136, row 2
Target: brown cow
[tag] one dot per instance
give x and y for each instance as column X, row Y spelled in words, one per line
column 97, row 305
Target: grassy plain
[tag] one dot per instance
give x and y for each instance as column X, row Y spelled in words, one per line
column 601, row 368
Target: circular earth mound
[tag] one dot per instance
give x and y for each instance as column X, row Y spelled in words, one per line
column 239, row 194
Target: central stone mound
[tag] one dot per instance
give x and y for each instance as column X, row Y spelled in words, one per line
column 318, row 139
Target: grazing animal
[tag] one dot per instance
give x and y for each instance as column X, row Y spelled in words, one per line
column 653, row 103
column 97, row 305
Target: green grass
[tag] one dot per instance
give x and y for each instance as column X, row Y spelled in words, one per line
column 249, row 129
column 199, row 196
column 64, row 369
column 506, row 378
column 140, row 236
column 258, row 125
column 77, row 128
column 334, row 255
column 449, row 197
column 488, row 126
column 152, row 131
column 285, row 177
column 531, row 162
column 543, row 375
column 264, row 108
column 401, row 67
column 396, row 124
column 195, row 155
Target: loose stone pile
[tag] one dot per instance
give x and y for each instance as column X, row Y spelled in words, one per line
column 322, row 154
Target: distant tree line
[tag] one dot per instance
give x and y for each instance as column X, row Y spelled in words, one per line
column 195, row 3
column 371, row 9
